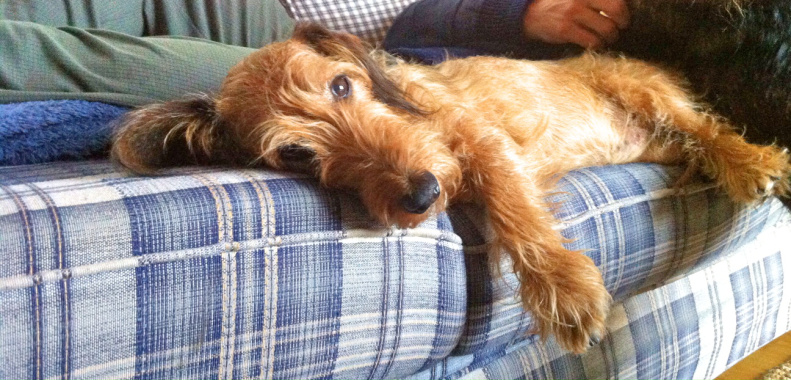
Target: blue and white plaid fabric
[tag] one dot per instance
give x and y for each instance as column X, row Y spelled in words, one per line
column 211, row 273
column 215, row 274
column 636, row 244
column 692, row 328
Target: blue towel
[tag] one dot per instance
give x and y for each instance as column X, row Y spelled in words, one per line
column 42, row 131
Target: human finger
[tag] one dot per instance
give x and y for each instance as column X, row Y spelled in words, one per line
column 615, row 10
column 583, row 37
column 603, row 26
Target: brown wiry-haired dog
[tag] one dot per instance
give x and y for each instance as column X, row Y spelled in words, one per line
column 412, row 139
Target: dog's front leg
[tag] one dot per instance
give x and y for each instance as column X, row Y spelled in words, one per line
column 562, row 289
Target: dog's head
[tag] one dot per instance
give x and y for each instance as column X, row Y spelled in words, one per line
column 316, row 103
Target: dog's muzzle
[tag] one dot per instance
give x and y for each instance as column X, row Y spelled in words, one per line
column 425, row 191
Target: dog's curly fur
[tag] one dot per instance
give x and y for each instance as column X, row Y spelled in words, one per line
column 413, row 139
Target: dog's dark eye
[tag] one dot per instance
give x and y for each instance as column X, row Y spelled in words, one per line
column 295, row 153
column 341, row 87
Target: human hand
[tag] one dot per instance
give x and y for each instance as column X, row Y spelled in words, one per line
column 588, row 23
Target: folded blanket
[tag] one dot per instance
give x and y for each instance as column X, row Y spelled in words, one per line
column 41, row 131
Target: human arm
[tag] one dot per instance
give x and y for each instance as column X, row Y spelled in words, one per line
column 587, row 23
column 521, row 28
column 465, row 26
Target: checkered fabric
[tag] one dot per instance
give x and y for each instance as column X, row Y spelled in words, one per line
column 367, row 19
column 212, row 273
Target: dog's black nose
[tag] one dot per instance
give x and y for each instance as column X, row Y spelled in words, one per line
column 425, row 190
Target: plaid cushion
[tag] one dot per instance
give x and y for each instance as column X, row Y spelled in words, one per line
column 205, row 273
column 636, row 229
column 241, row 273
column 367, row 19
column 692, row 328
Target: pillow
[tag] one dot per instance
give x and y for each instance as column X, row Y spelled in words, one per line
column 367, row 19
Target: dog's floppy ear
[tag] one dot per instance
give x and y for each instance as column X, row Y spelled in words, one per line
column 327, row 42
column 179, row 132
column 349, row 47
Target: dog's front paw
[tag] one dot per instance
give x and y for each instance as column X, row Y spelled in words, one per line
column 571, row 304
column 580, row 325
column 580, row 317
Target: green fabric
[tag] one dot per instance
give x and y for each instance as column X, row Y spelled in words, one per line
column 125, row 16
column 125, row 62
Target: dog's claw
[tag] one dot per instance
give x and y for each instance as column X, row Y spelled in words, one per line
column 766, row 189
column 594, row 340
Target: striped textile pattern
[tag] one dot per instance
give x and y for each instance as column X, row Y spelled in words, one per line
column 216, row 273
column 205, row 273
column 692, row 328
column 637, row 245
column 367, row 19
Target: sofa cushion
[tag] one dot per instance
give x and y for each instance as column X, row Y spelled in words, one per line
column 204, row 273
column 691, row 328
column 640, row 231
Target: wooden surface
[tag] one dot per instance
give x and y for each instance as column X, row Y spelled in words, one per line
column 767, row 357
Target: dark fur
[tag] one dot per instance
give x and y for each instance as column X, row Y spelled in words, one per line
column 736, row 54
column 184, row 121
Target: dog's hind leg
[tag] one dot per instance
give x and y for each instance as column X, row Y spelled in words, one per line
column 562, row 289
column 747, row 172
column 682, row 131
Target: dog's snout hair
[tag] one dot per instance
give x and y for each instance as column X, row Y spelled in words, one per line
column 412, row 139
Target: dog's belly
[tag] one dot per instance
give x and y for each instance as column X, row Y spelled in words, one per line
column 592, row 142
column 567, row 114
